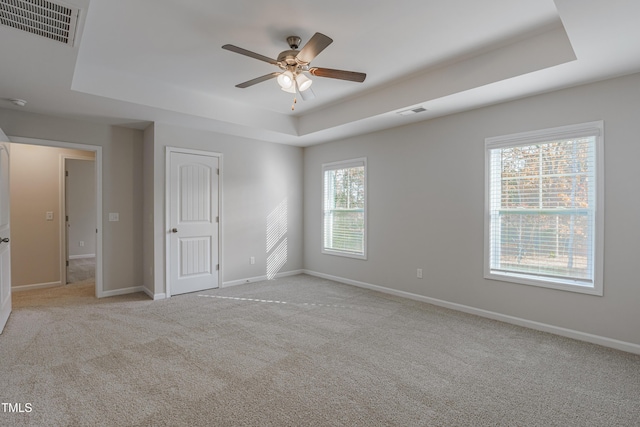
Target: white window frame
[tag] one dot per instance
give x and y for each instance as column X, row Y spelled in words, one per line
column 595, row 129
column 343, row 164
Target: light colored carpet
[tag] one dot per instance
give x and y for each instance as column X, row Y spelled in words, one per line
column 81, row 270
column 297, row 351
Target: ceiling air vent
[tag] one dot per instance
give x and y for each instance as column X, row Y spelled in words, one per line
column 412, row 111
column 41, row 17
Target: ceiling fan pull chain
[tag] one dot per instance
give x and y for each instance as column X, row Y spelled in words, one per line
column 293, row 106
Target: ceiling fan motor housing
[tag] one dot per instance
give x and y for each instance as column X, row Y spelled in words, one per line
column 288, row 57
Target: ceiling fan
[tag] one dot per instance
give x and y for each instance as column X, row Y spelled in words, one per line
column 294, row 64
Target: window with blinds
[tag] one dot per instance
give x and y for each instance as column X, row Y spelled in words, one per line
column 544, row 216
column 344, row 208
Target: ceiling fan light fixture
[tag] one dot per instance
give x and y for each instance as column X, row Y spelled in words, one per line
column 303, row 82
column 290, row 89
column 285, row 80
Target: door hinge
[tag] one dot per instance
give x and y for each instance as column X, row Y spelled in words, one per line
column 217, row 219
column 66, row 218
column 66, row 173
column 217, row 171
column 67, row 263
column 217, row 267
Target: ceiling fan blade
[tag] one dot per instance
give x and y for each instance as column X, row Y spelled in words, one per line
column 250, row 54
column 314, row 46
column 338, row 74
column 257, row 80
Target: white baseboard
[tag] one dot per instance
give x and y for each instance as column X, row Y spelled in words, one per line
column 82, row 256
column 570, row 333
column 260, row 278
column 124, row 291
column 35, row 286
column 153, row 296
column 227, row 284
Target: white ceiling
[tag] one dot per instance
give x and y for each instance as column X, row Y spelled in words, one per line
column 140, row 61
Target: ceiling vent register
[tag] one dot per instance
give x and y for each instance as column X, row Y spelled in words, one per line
column 412, row 111
column 41, row 17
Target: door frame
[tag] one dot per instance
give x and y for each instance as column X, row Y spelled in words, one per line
column 5, row 249
column 167, row 210
column 99, row 292
column 64, row 231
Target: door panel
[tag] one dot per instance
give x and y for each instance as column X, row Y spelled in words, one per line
column 195, row 193
column 195, row 256
column 5, row 248
column 193, row 219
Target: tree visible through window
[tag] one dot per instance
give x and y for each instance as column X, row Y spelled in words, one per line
column 543, row 208
column 344, row 208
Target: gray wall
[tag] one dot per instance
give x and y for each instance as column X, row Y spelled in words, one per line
column 257, row 177
column 150, row 268
column 426, row 209
column 121, row 186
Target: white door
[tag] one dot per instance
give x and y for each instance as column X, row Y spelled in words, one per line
column 193, row 223
column 5, row 249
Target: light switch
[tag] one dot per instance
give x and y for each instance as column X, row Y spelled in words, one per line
column 114, row 216
column 49, row 216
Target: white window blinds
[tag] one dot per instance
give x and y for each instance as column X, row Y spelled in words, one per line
column 542, row 202
column 344, row 208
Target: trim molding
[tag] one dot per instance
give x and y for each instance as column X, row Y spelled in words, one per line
column 20, row 288
column 123, row 291
column 260, row 278
column 153, row 296
column 544, row 327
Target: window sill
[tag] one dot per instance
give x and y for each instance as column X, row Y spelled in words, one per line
column 344, row 254
column 558, row 284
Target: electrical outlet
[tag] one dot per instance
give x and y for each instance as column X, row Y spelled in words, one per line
column 49, row 216
column 419, row 273
column 252, row 260
column 81, row 243
column 114, row 216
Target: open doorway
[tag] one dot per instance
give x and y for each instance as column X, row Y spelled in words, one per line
column 80, row 218
column 37, row 266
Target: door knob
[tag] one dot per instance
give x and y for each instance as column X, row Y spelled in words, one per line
column 174, row 230
column 4, row 240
